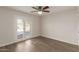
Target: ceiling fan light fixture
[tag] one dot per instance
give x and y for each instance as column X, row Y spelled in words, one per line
column 40, row 12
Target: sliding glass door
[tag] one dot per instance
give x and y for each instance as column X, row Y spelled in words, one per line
column 20, row 28
column 27, row 30
column 23, row 29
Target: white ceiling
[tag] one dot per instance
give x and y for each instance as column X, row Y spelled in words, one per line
column 52, row 9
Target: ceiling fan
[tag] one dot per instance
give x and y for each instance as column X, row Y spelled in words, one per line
column 41, row 9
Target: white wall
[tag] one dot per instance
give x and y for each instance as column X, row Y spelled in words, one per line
column 8, row 24
column 78, row 25
column 61, row 26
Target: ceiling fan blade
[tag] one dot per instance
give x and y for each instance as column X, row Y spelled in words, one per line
column 46, row 11
column 35, row 8
column 46, row 7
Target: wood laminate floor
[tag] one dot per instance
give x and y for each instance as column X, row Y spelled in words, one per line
column 40, row 44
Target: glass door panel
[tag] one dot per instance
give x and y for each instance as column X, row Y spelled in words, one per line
column 20, row 28
column 27, row 31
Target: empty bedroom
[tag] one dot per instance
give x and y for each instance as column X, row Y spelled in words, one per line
column 39, row 29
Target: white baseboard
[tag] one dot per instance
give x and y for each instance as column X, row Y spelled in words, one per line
column 5, row 44
column 58, row 40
